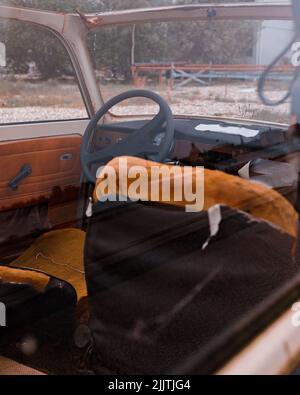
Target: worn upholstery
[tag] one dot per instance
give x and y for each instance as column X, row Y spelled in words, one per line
column 221, row 188
column 59, row 254
column 29, row 296
column 38, row 281
column 157, row 295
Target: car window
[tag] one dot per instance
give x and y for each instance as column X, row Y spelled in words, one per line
column 37, row 81
column 201, row 68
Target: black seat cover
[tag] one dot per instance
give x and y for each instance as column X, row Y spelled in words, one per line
column 156, row 296
column 26, row 305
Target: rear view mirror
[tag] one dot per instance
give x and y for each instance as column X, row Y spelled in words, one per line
column 2, row 55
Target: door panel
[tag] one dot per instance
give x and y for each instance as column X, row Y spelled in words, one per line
column 55, row 163
column 44, row 200
column 42, row 118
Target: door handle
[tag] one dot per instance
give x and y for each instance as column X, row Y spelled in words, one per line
column 24, row 172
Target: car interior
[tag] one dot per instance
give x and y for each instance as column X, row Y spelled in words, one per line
column 124, row 281
column 132, row 285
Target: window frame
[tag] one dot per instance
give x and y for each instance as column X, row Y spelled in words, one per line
column 71, row 32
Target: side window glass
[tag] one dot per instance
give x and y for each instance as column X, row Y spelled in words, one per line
column 37, row 81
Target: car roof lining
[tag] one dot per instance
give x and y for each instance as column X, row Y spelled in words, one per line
column 239, row 11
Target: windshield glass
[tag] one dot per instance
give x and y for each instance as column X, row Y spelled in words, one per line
column 206, row 68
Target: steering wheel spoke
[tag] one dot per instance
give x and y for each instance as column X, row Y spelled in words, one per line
column 153, row 125
column 149, row 149
column 139, row 143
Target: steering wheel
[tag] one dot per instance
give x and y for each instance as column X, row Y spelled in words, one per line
column 140, row 143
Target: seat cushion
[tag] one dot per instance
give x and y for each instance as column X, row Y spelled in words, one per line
column 60, row 255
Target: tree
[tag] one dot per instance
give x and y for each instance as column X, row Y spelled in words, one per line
column 205, row 41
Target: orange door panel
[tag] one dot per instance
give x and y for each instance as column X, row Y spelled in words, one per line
column 55, row 163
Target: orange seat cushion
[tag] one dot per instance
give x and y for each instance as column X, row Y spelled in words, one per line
column 59, row 254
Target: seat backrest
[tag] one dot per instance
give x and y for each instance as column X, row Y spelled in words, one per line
column 157, row 295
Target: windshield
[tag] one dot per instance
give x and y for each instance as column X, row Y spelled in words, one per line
column 201, row 68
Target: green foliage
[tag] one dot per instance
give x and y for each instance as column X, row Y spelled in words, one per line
column 217, row 42
column 26, row 43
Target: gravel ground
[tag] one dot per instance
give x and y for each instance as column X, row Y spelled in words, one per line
column 237, row 110
column 238, row 101
column 27, row 114
column 205, row 107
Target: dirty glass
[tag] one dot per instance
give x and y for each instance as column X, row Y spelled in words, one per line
column 37, row 80
column 179, row 275
column 201, row 68
column 101, row 5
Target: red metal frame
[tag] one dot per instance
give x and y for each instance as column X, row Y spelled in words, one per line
column 161, row 68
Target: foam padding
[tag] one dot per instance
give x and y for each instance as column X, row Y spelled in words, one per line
column 219, row 188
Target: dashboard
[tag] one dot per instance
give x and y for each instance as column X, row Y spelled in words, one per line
column 225, row 146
